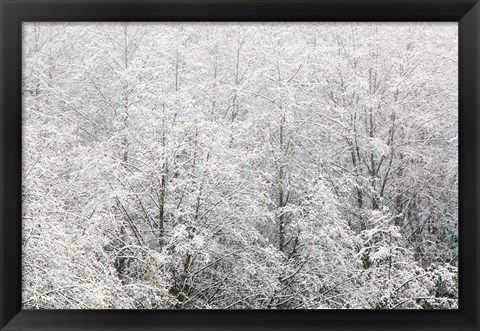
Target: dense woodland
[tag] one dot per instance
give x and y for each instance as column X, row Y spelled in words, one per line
column 246, row 166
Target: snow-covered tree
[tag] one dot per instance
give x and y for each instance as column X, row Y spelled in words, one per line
column 251, row 166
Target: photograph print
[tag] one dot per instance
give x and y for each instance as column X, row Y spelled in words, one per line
column 239, row 165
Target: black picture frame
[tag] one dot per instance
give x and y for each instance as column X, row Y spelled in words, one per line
column 14, row 12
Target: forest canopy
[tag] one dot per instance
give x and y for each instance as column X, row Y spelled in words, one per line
column 240, row 165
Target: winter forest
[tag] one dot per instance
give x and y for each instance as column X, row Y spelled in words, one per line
column 240, row 166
